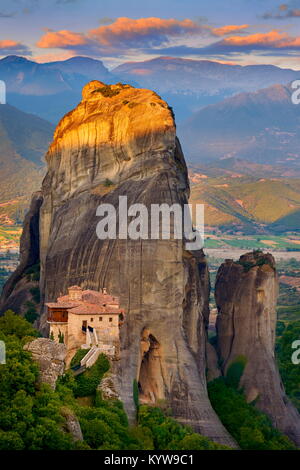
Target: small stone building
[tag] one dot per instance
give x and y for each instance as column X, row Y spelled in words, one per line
column 86, row 318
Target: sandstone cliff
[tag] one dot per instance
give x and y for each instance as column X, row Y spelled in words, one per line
column 127, row 136
column 246, row 295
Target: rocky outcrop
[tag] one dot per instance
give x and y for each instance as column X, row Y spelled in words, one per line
column 246, row 295
column 71, row 425
column 50, row 357
column 122, row 141
column 110, row 387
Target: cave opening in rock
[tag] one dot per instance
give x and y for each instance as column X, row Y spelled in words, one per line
column 150, row 383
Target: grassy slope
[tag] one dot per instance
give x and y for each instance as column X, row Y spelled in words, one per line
column 245, row 199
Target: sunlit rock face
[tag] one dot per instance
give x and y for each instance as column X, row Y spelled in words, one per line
column 246, row 295
column 127, row 136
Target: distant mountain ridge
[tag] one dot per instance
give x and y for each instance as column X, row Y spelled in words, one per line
column 50, row 89
column 31, row 78
column 24, row 139
column 53, row 88
column 173, row 74
column 261, row 126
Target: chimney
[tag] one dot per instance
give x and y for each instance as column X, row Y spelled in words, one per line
column 75, row 293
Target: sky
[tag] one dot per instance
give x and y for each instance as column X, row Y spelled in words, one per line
column 116, row 31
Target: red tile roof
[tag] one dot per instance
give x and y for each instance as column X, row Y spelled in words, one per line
column 92, row 302
column 87, row 308
column 61, row 304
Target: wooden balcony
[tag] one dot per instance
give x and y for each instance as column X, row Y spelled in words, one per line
column 57, row 315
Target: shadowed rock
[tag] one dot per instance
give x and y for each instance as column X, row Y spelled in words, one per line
column 246, row 294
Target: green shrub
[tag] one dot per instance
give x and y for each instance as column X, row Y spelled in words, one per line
column 235, row 371
column 87, row 383
column 169, row 434
column 33, row 272
column 78, row 357
column 31, row 315
column 12, row 324
column 108, row 183
column 30, row 414
column 251, row 428
column 35, row 292
column 290, row 373
column 280, row 327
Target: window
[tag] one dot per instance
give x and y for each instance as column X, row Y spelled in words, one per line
column 110, row 319
column 100, row 318
column 92, row 319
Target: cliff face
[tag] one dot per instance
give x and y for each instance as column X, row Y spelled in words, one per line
column 246, row 295
column 128, row 136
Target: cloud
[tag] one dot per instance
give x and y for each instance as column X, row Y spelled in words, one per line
column 7, row 15
column 148, row 30
column 271, row 41
column 106, row 20
column 63, row 39
column 229, row 29
column 7, row 46
column 123, row 34
column 157, row 36
column 283, row 11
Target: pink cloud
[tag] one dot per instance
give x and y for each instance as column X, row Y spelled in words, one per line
column 62, row 39
column 123, row 33
column 228, row 29
column 274, row 39
column 8, row 46
column 127, row 29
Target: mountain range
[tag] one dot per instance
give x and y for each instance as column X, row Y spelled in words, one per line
column 261, row 126
column 253, row 134
column 24, row 139
column 51, row 89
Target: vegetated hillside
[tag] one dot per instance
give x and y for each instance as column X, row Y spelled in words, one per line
column 262, row 127
column 24, row 139
column 237, row 167
column 247, row 200
column 35, row 417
